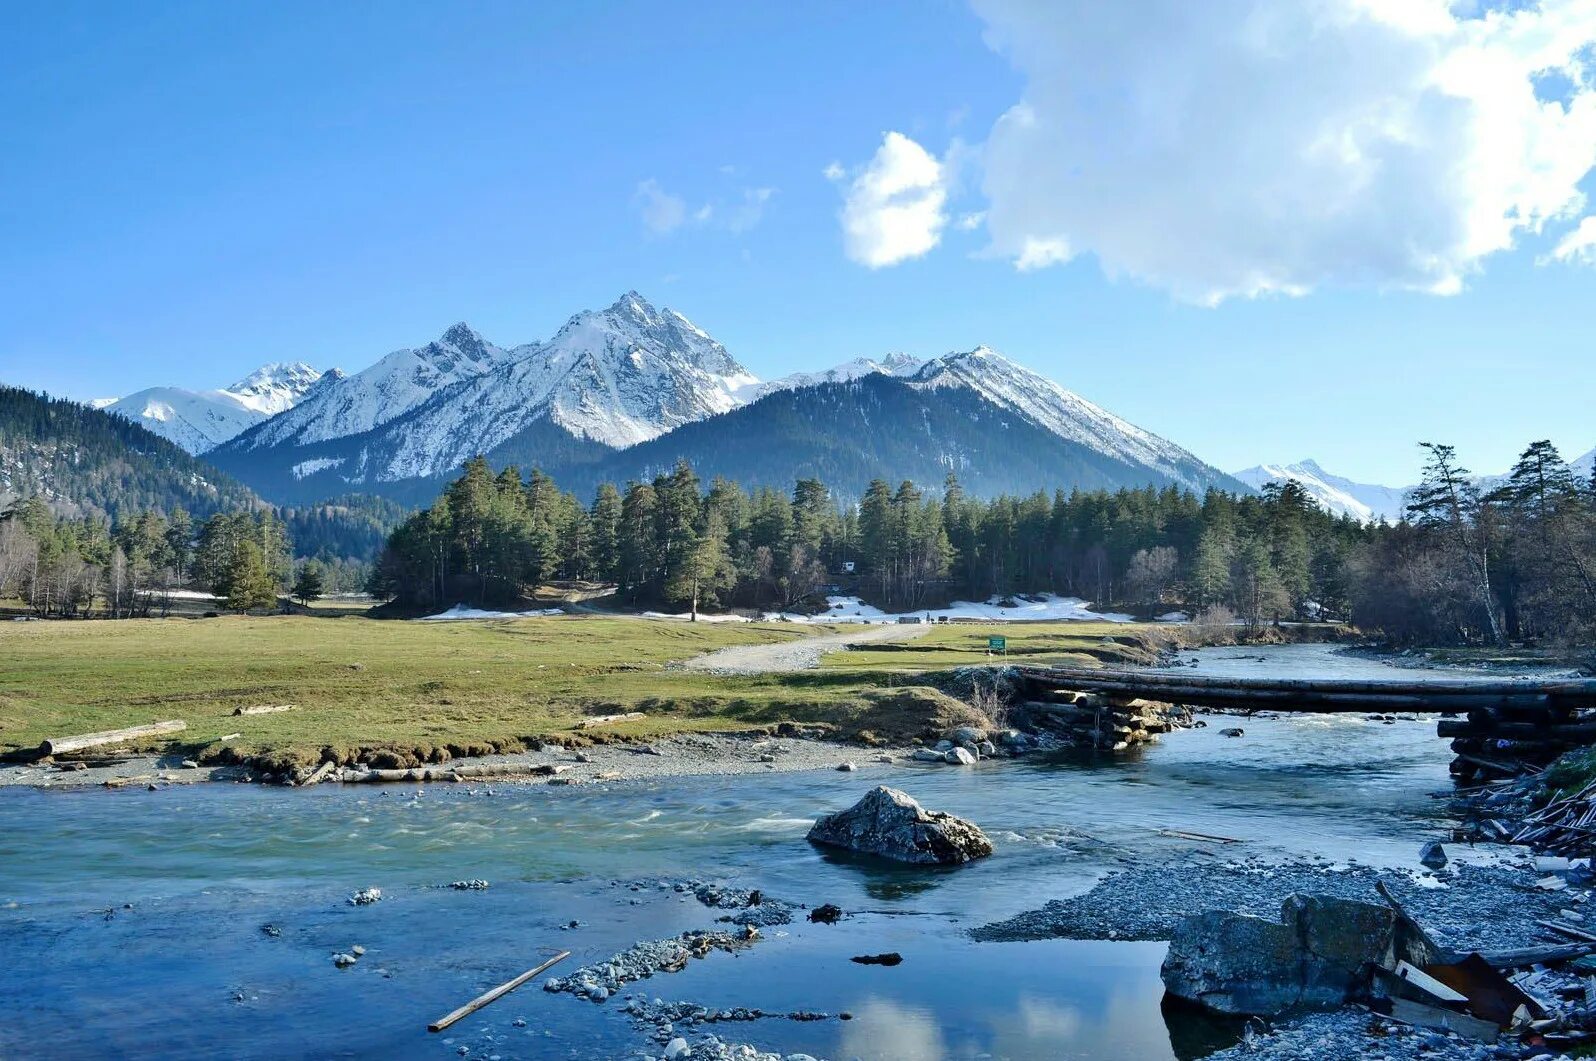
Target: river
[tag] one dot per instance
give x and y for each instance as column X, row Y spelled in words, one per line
column 132, row 922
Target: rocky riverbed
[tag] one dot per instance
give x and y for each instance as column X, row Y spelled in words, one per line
column 1472, row 906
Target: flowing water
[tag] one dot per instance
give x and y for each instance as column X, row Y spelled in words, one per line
column 131, row 921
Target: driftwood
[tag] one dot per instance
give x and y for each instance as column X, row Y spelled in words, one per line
column 605, row 720
column 443, row 773
column 320, row 774
column 58, row 745
column 1525, row 957
column 497, row 993
column 263, row 709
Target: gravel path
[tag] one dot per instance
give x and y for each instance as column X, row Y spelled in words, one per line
column 803, row 654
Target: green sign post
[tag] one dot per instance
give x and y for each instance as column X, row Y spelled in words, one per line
column 997, row 644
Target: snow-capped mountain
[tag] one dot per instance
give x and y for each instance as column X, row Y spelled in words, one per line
column 895, row 364
column 617, row 376
column 201, row 420
column 608, row 378
column 1334, row 493
column 631, row 375
column 1063, row 412
column 342, row 405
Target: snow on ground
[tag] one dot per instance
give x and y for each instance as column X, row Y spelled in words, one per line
column 1047, row 607
column 460, row 611
column 1174, row 617
column 703, row 617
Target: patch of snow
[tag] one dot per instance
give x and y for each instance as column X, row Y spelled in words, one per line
column 461, row 611
column 1174, row 617
column 1047, row 607
column 702, row 617
column 318, row 464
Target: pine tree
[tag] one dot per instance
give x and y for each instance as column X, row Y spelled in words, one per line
column 605, row 551
column 249, row 583
column 1447, row 504
column 310, row 584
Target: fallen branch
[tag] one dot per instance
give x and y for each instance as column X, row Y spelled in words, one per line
column 58, row 745
column 1181, row 834
column 490, row 996
column 605, row 720
column 263, row 709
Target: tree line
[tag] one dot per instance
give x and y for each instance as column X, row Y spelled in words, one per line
column 70, row 567
column 1487, row 564
column 674, row 543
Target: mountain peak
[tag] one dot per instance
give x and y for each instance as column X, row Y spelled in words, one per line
column 634, row 306
column 275, row 374
column 462, row 337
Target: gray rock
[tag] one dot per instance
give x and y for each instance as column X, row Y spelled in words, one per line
column 846, row 767
column 1233, row 731
column 986, row 748
column 1433, row 854
column 944, row 745
column 676, row 1048
column 890, row 824
column 926, row 755
column 968, row 735
column 961, row 757
column 1317, row 956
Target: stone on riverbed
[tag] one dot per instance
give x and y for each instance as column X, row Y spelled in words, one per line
column 890, row 824
column 1318, row 956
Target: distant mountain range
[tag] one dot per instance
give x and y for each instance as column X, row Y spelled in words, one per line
column 1365, row 501
column 625, row 390
column 201, row 420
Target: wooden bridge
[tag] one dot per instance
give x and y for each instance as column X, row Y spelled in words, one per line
column 1499, row 727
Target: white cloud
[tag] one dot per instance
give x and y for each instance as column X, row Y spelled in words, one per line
column 1579, row 246
column 749, row 211
column 1242, row 147
column 834, row 171
column 893, row 210
column 662, row 212
column 970, row 222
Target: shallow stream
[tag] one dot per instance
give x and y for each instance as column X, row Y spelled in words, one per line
column 131, row 922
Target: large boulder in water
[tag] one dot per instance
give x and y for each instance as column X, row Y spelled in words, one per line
column 892, row 825
column 1319, row 955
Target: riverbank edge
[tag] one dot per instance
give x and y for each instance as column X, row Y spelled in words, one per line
column 760, row 751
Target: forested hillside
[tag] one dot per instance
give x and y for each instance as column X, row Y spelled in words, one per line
column 85, row 461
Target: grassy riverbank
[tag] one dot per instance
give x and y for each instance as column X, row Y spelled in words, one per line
column 402, row 693
column 418, row 690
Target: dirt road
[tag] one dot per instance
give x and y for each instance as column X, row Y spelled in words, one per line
column 803, row 654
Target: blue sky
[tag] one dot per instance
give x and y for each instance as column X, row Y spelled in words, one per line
column 192, row 189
